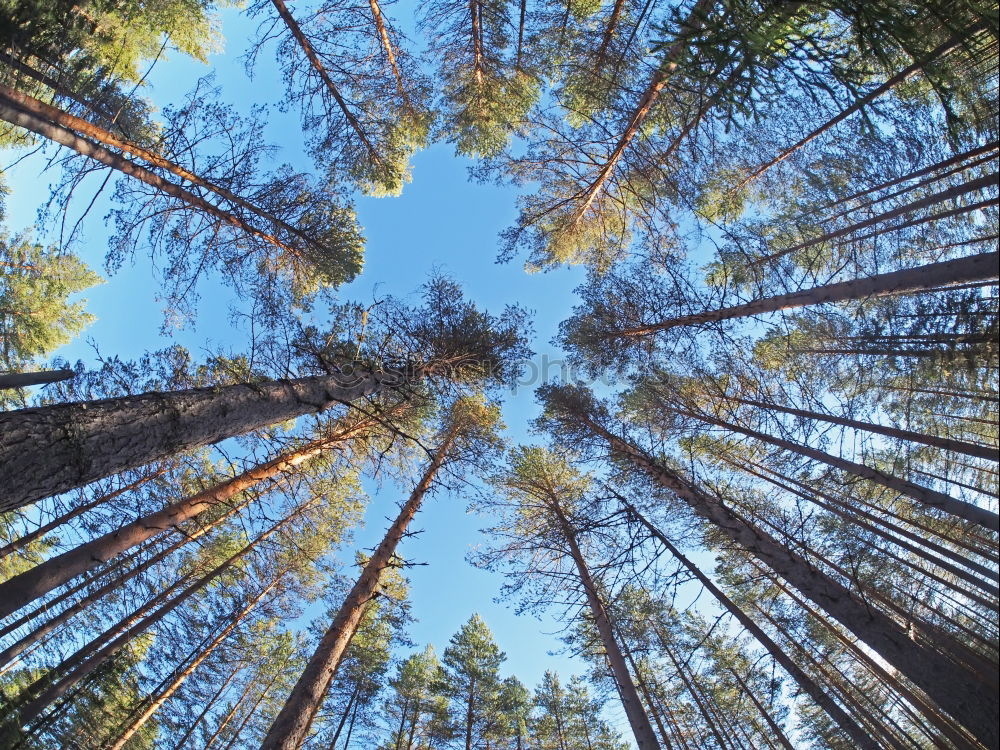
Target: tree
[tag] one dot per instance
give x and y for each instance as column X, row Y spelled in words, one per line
column 471, row 664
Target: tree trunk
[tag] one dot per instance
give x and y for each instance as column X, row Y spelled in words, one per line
column 24, row 379
column 224, row 722
column 86, row 663
column 71, row 122
column 945, row 682
column 608, row 35
column 24, row 541
column 204, row 711
column 932, row 276
column 31, row 584
column 154, row 705
column 52, row 449
column 12, row 113
column 390, row 54
column 470, row 713
column 291, row 726
column 923, row 495
column 645, row 738
column 777, row 732
column 948, row 444
column 694, row 21
column 320, row 69
column 864, row 101
column 477, row 41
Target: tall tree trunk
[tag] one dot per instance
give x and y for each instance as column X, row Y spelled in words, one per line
column 645, row 738
column 608, row 35
column 291, row 726
column 324, row 75
column 24, row 541
column 948, row 444
column 477, row 40
column 224, row 721
column 14, row 114
column 470, row 713
column 85, row 664
column 52, row 449
column 207, row 707
column 694, row 21
column 948, row 684
column 347, row 712
column 390, row 53
column 923, row 495
column 79, row 125
column 36, row 582
column 931, row 276
column 939, row 51
column 156, row 702
column 24, row 379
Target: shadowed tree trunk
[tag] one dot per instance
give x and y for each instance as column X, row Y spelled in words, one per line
column 955, row 689
column 982, row 267
column 52, row 449
column 24, row 379
column 833, row 709
column 208, row 707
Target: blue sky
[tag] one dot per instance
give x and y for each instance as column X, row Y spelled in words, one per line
column 442, row 221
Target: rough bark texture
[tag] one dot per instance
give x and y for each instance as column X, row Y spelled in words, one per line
column 291, row 726
column 980, row 267
column 967, row 700
column 645, row 737
column 38, row 581
column 48, row 450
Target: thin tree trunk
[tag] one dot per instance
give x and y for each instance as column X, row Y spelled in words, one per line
column 224, row 722
column 939, row 51
column 383, row 34
column 347, row 712
column 777, row 732
column 14, row 114
column 291, row 726
column 948, row 444
column 25, row 379
column 24, row 541
column 645, row 738
column 517, row 65
column 931, row 276
column 923, row 495
column 477, row 40
column 52, row 449
column 320, row 69
column 79, row 125
column 470, row 712
column 85, row 663
column 249, row 715
column 608, row 35
column 155, row 704
column 948, row 684
column 956, row 191
column 31, row 584
column 204, row 711
column 694, row 21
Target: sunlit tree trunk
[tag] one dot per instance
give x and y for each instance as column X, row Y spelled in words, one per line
column 291, row 726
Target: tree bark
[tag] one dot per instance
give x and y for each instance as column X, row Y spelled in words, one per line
column 776, row 730
column 645, row 738
column 31, row 584
column 948, row 684
column 52, row 449
column 923, row 495
column 932, row 276
column 833, row 709
column 291, row 726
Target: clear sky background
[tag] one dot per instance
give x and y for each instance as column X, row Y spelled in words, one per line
column 442, row 221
